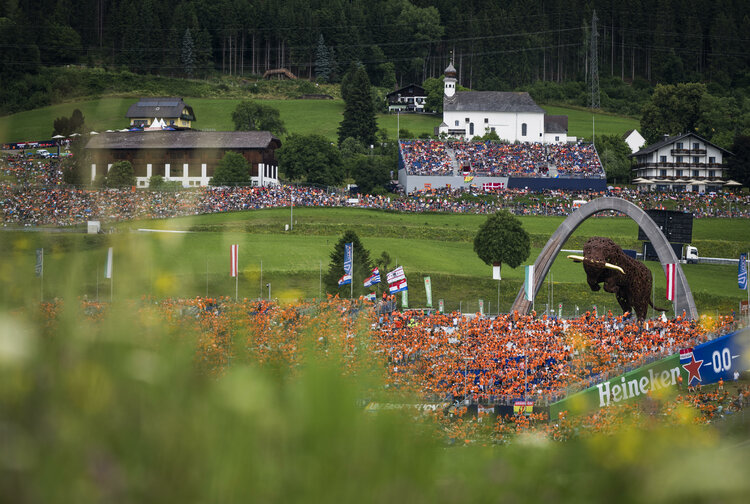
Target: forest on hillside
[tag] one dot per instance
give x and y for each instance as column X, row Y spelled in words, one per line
column 495, row 43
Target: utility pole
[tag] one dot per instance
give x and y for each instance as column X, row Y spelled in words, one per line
column 594, row 64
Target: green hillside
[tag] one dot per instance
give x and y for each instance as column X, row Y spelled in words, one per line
column 300, row 116
column 439, row 245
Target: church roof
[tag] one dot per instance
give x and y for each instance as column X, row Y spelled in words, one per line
column 555, row 124
column 491, row 101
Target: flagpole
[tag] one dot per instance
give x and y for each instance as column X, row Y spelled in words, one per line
column 351, row 283
column 237, row 275
column 261, row 279
column 41, row 285
column 206, row 276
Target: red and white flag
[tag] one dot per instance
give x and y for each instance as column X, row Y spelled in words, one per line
column 671, row 276
column 234, row 260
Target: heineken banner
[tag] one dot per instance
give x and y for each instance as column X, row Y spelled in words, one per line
column 705, row 364
column 657, row 376
column 441, row 306
column 428, row 291
column 481, row 306
column 404, row 299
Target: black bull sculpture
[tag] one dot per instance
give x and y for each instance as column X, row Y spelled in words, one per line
column 629, row 280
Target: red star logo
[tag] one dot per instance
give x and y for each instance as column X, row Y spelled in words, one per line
column 694, row 368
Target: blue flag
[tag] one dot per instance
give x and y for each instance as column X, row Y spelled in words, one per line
column 348, row 250
column 742, row 272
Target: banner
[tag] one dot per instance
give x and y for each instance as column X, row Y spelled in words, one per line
column 399, row 286
column 441, row 306
column 671, row 275
column 345, row 280
column 39, row 268
column 705, row 364
column 108, row 266
column 428, row 291
column 523, row 407
column 742, row 272
column 348, row 254
column 528, row 284
column 404, row 298
column 396, row 275
column 234, row 260
column 481, row 306
column 496, row 271
column 373, row 279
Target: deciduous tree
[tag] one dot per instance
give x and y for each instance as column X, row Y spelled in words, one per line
column 502, row 239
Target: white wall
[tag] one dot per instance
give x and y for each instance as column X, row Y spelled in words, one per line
column 508, row 126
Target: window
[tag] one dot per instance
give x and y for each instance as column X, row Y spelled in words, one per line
column 456, row 122
column 679, row 173
column 557, row 139
column 467, row 119
column 678, row 159
column 695, row 173
column 711, row 173
column 486, row 120
column 696, row 146
column 523, row 129
column 662, row 173
column 662, row 159
column 696, row 160
column 679, row 145
column 471, row 128
column 712, row 160
column 492, row 129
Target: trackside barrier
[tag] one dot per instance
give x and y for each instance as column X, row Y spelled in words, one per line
column 705, row 364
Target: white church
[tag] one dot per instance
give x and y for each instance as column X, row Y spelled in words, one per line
column 514, row 116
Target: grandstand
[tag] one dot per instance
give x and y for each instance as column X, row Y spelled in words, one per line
column 536, row 166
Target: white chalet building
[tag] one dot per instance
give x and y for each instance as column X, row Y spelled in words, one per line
column 514, row 116
column 685, row 162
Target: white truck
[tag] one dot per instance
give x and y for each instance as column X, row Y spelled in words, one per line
column 690, row 254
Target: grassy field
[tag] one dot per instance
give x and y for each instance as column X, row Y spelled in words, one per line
column 195, row 263
column 300, row 116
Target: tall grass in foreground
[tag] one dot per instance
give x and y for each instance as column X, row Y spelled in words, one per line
column 126, row 403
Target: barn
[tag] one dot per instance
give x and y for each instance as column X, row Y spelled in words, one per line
column 189, row 157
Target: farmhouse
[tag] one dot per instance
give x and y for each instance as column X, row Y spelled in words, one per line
column 514, row 116
column 189, row 157
column 407, row 99
column 172, row 112
column 685, row 162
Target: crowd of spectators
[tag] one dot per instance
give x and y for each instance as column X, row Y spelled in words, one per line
column 430, row 157
column 32, row 194
column 510, row 357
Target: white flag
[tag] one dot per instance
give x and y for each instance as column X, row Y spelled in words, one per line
column 108, row 267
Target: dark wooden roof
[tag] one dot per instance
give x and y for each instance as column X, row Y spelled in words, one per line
column 410, row 90
column 491, row 101
column 672, row 139
column 184, row 140
column 160, row 107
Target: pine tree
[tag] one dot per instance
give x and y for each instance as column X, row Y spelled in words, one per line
column 362, row 266
column 359, row 112
column 188, row 60
column 322, row 61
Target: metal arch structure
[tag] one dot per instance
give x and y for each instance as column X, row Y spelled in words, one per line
column 683, row 296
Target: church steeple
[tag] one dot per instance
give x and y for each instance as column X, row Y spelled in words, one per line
column 449, row 85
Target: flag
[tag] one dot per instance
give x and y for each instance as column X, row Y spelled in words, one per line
column 108, row 266
column 528, row 284
column 345, row 280
column 397, row 286
column 671, row 275
column 428, row 291
column 371, row 297
column 39, row 268
column 468, row 178
column 373, row 279
column 234, row 260
column 742, row 272
column 396, row 275
column 404, row 298
column 348, row 252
